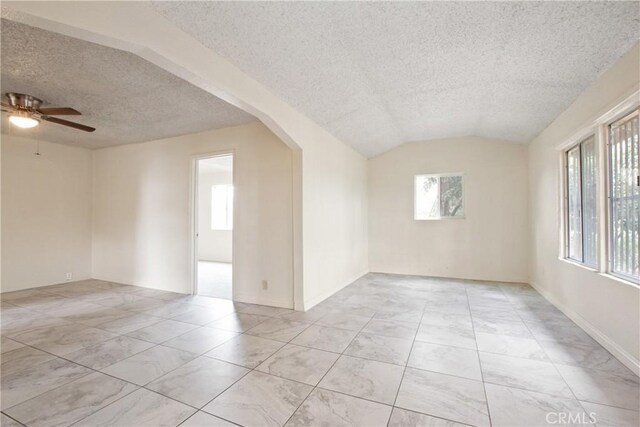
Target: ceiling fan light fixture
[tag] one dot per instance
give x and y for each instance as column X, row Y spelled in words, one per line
column 25, row 112
column 23, row 121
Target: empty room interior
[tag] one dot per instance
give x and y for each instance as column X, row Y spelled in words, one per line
column 320, row 213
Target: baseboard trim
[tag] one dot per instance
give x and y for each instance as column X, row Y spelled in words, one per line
column 518, row 281
column 620, row 353
column 184, row 291
column 4, row 290
column 310, row 303
column 251, row 299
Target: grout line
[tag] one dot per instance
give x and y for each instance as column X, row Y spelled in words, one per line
column 250, row 370
column 206, row 413
column 140, row 387
column 66, row 383
column 475, row 340
column 449, row 420
column 11, row 418
column 342, row 309
column 106, row 374
column 551, row 362
column 332, row 365
column 415, row 335
column 554, row 364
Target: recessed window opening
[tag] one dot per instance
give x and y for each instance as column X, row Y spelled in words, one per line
column 439, row 196
column 581, row 202
column 624, row 198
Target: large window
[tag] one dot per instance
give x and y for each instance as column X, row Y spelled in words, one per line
column 582, row 221
column 222, row 207
column 624, row 198
column 439, row 196
column 601, row 179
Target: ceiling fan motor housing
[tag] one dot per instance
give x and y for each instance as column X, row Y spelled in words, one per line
column 24, row 102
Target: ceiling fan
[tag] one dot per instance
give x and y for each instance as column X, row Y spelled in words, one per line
column 25, row 112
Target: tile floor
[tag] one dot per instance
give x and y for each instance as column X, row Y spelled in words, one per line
column 386, row 350
column 214, row 279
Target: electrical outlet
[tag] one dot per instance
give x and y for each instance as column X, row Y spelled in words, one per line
column 69, row 276
column 265, row 285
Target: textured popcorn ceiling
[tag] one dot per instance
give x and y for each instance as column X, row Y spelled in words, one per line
column 379, row 74
column 126, row 98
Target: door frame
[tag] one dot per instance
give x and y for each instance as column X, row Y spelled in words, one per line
column 193, row 204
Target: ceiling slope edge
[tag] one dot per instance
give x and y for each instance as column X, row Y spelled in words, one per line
column 137, row 28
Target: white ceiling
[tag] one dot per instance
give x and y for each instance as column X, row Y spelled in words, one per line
column 378, row 74
column 126, row 98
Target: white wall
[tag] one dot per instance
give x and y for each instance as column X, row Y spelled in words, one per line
column 329, row 178
column 607, row 308
column 490, row 243
column 213, row 245
column 142, row 227
column 46, row 213
column 334, row 221
column 138, row 240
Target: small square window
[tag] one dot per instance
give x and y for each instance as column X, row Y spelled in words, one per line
column 439, row 196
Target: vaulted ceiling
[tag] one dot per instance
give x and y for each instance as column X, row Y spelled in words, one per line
column 126, row 98
column 378, row 74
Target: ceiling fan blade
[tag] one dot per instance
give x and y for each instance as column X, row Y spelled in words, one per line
column 68, row 123
column 4, row 104
column 59, row 111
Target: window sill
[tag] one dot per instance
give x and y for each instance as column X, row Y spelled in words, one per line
column 620, row 280
column 577, row 264
column 607, row 275
column 442, row 218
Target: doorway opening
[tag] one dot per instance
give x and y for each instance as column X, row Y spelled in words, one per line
column 214, row 193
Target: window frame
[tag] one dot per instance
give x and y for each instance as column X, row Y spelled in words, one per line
column 598, row 126
column 610, row 269
column 438, row 176
column 566, row 206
